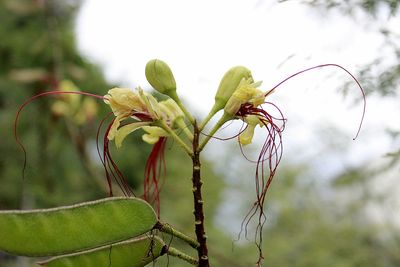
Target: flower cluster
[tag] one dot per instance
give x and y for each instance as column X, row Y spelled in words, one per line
column 145, row 112
column 240, row 99
column 134, row 110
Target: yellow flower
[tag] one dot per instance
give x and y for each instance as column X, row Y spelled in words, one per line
column 246, row 92
column 153, row 134
column 125, row 104
column 143, row 108
column 246, row 136
column 125, row 130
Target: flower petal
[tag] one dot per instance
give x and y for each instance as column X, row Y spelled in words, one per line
column 123, row 101
column 246, row 92
column 153, row 134
column 114, row 128
column 246, row 136
column 127, row 129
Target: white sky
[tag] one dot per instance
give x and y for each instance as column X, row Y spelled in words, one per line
column 200, row 40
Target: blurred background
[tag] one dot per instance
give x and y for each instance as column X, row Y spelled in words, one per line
column 334, row 201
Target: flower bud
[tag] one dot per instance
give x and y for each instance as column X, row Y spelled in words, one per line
column 160, row 76
column 229, row 83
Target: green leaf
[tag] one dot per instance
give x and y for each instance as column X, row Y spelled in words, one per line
column 74, row 228
column 132, row 253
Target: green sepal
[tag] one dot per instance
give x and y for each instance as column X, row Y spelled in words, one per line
column 228, row 85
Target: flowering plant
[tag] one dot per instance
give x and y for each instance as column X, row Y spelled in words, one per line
column 132, row 238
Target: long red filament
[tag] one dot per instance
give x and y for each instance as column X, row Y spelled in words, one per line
column 155, row 172
column 111, row 168
column 269, row 157
column 336, row 66
column 271, row 152
column 19, row 142
column 109, row 180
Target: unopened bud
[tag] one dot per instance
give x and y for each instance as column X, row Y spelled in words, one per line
column 229, row 83
column 160, row 76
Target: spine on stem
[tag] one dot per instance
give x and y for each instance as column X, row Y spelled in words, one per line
column 199, row 203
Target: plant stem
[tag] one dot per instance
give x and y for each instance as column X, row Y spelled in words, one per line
column 208, row 118
column 219, row 124
column 198, row 202
column 164, row 126
column 166, row 228
column 176, row 253
column 176, row 98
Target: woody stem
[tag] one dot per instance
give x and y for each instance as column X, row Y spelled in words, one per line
column 201, row 236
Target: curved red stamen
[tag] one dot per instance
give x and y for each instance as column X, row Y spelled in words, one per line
column 101, row 157
column 18, row 141
column 111, row 168
column 271, row 153
column 330, row 65
column 269, row 157
column 155, row 171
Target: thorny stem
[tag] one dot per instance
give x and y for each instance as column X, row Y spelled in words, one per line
column 198, row 212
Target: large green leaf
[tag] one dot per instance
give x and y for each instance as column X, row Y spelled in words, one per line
column 74, row 228
column 132, row 253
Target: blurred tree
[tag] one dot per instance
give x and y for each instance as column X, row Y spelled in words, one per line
column 382, row 75
column 37, row 52
column 352, row 220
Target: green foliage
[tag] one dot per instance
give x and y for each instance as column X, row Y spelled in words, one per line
column 37, row 50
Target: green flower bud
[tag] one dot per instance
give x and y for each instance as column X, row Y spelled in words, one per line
column 160, row 76
column 229, row 83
